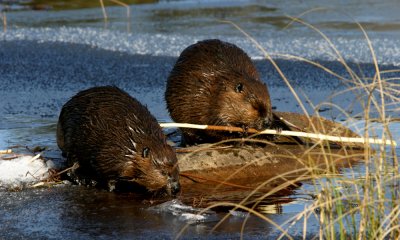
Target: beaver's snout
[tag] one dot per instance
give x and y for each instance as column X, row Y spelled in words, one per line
column 174, row 187
column 267, row 122
column 263, row 123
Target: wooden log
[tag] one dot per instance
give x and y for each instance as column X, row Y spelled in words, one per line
column 212, row 173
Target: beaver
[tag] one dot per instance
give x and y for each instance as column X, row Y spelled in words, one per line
column 216, row 83
column 114, row 138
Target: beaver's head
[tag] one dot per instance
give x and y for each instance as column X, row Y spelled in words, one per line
column 152, row 162
column 242, row 102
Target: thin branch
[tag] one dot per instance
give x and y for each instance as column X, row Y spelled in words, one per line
column 73, row 167
column 284, row 133
column 7, row 151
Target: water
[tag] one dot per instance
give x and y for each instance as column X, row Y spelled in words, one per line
column 47, row 56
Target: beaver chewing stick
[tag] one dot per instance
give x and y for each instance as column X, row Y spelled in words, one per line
column 216, row 83
column 115, row 139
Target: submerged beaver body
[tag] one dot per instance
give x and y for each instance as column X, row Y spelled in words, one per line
column 216, row 83
column 115, row 138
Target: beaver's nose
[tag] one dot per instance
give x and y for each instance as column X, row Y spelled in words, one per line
column 267, row 122
column 175, row 188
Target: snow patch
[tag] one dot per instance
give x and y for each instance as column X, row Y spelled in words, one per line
column 22, row 171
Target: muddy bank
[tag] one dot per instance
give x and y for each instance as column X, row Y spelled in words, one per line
column 232, row 171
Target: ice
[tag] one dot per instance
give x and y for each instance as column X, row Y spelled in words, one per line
column 239, row 214
column 185, row 213
column 352, row 48
column 22, row 171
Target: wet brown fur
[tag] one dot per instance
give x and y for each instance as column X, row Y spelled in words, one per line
column 113, row 137
column 216, row 83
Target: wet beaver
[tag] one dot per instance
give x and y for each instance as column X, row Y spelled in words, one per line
column 114, row 138
column 216, row 83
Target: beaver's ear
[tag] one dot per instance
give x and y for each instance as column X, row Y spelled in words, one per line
column 239, row 88
column 145, row 152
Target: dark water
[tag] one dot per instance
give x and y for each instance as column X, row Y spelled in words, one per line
column 47, row 55
column 73, row 212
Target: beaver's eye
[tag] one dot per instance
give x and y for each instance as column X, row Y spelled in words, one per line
column 145, row 152
column 239, row 88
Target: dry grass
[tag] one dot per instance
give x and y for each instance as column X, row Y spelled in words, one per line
column 347, row 206
column 3, row 17
column 128, row 12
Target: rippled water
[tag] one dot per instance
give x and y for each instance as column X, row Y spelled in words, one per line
column 46, row 56
column 194, row 17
